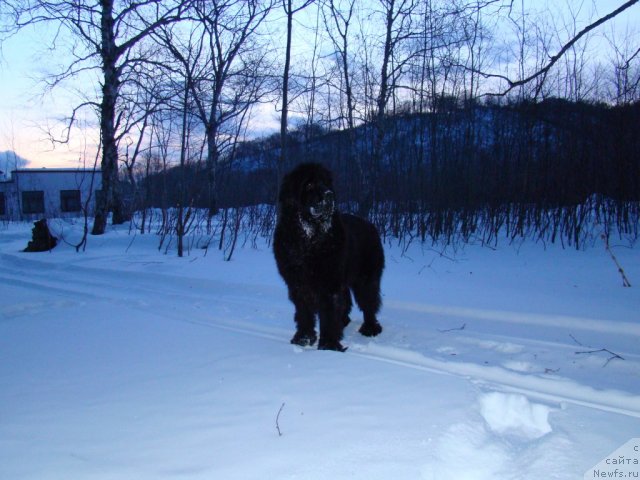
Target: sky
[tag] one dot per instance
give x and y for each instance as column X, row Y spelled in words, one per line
column 29, row 113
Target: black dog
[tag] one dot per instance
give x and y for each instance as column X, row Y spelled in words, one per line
column 321, row 255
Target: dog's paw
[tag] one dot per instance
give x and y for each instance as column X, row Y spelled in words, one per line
column 370, row 329
column 304, row 339
column 331, row 345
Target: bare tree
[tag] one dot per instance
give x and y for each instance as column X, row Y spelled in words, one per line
column 338, row 19
column 625, row 60
column 541, row 73
column 337, row 23
column 186, row 49
column 397, row 16
column 290, row 10
column 105, row 35
column 230, row 82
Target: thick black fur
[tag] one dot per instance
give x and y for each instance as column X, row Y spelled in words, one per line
column 324, row 256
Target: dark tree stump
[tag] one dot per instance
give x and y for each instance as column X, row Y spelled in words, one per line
column 42, row 240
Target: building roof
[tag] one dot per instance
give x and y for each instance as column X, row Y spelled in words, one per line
column 56, row 170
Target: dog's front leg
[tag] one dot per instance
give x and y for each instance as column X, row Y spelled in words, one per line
column 304, row 318
column 332, row 311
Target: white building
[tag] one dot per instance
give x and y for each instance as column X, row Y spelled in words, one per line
column 32, row 194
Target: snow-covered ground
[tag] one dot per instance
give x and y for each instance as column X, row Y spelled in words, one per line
column 123, row 362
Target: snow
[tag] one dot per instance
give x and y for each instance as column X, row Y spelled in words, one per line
column 126, row 362
column 514, row 414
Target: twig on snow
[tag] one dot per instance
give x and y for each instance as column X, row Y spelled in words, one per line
column 576, row 340
column 596, row 350
column 464, row 325
column 612, row 357
column 278, row 419
column 625, row 280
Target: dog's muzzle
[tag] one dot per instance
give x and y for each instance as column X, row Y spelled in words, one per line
column 324, row 208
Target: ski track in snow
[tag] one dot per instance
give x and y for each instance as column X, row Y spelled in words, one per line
column 213, row 304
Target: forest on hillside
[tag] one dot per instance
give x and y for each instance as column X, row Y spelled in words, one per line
column 552, row 170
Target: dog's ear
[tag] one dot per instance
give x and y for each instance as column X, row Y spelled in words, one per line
column 285, row 189
column 328, row 178
column 289, row 188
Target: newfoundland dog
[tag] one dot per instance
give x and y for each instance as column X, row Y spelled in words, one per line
column 323, row 256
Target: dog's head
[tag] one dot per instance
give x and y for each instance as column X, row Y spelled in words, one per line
column 309, row 189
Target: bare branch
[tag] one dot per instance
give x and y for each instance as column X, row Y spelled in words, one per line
column 542, row 72
column 278, row 420
column 462, row 327
column 612, row 357
column 625, row 280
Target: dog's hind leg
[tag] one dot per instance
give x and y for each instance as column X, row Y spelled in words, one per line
column 367, row 295
column 347, row 309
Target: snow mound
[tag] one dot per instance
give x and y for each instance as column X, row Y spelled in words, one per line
column 515, row 415
column 470, row 450
column 467, row 450
column 519, row 366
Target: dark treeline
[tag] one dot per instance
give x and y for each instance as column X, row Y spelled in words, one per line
column 554, row 170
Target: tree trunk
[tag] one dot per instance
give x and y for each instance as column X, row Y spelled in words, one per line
column 111, row 83
column 370, row 176
column 285, row 91
column 212, row 164
column 180, row 229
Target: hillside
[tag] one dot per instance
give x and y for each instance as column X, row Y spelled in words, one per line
column 550, row 171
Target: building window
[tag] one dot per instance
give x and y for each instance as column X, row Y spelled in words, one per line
column 33, row 201
column 3, row 206
column 70, row 201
